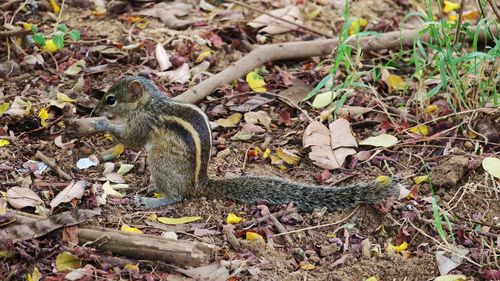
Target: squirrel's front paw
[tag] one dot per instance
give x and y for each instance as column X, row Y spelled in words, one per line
column 100, row 124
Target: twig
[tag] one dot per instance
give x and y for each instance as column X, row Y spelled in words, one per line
column 278, row 18
column 12, row 33
column 266, row 217
column 281, row 229
column 319, row 226
column 459, row 22
column 495, row 9
column 51, row 163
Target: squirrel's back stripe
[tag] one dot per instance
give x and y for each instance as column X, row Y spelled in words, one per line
column 196, row 139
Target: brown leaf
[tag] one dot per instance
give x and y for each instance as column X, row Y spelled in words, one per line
column 19, row 197
column 341, row 134
column 74, row 190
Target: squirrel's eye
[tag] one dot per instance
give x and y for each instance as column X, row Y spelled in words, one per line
column 111, row 100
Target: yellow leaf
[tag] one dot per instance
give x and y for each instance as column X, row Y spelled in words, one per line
column 451, row 277
column 27, row 26
column 118, row 150
column 256, row 83
column 152, row 217
column 450, row 6
column 383, row 180
column 372, row 278
column 127, row 228
column 129, row 266
column 158, row 195
column 431, row 108
column 252, row 236
column 421, row 179
column 492, row 166
column 43, row 114
column 395, row 82
column 64, row 98
column 50, row 46
column 4, row 107
column 4, row 142
column 66, row 260
column 383, row 140
column 397, row 249
column 308, row 266
column 203, row 55
column 276, row 160
column 231, row 121
column 28, row 108
column 55, row 7
column 357, row 25
column 287, row 156
column 422, row 130
column 233, row 218
column 35, row 275
column 182, row 220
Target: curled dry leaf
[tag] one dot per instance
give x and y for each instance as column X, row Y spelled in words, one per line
column 162, row 57
column 74, row 190
column 75, row 68
column 168, row 13
column 273, row 26
column 258, row 117
column 19, row 197
column 232, row 121
column 325, row 157
column 178, row 75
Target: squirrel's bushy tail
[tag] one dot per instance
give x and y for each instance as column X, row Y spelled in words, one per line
column 275, row 191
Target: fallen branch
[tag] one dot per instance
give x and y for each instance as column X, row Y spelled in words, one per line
column 299, row 50
column 148, row 247
column 283, row 51
column 133, row 245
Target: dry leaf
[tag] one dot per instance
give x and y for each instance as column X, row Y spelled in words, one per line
column 233, row 218
column 341, row 134
column 316, row 134
column 383, row 140
column 182, row 74
column 74, row 190
column 287, row 156
column 66, row 261
column 181, row 220
column 127, row 228
column 162, row 57
column 492, row 166
column 273, row 26
column 258, row 117
column 256, row 83
column 231, row 121
column 19, row 197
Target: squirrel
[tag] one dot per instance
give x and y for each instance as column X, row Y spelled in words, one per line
column 178, row 141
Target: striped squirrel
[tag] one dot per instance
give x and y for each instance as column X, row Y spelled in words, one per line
column 178, row 141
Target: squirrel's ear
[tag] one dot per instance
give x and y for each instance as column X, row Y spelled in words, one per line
column 135, row 90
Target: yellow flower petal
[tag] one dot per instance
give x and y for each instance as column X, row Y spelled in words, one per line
column 127, row 228
column 420, row 179
column 422, row 130
column 4, row 142
column 43, row 114
column 357, row 25
column 55, row 7
column 397, row 249
column 203, row 55
column 252, row 236
column 450, row 6
column 233, row 218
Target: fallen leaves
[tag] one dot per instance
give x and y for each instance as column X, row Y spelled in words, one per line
column 492, row 166
column 232, row 121
column 74, row 190
column 233, row 218
column 272, row 26
column 383, row 140
column 181, row 220
column 255, row 81
column 21, row 197
column 67, row 261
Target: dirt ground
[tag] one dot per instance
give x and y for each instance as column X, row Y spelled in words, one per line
column 355, row 248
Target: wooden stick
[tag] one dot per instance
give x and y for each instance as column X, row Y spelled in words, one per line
column 12, row 33
column 137, row 246
column 51, row 163
column 148, row 247
column 299, row 50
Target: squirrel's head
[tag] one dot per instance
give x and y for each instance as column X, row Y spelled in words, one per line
column 125, row 97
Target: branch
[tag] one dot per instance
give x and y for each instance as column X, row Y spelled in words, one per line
column 299, row 50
